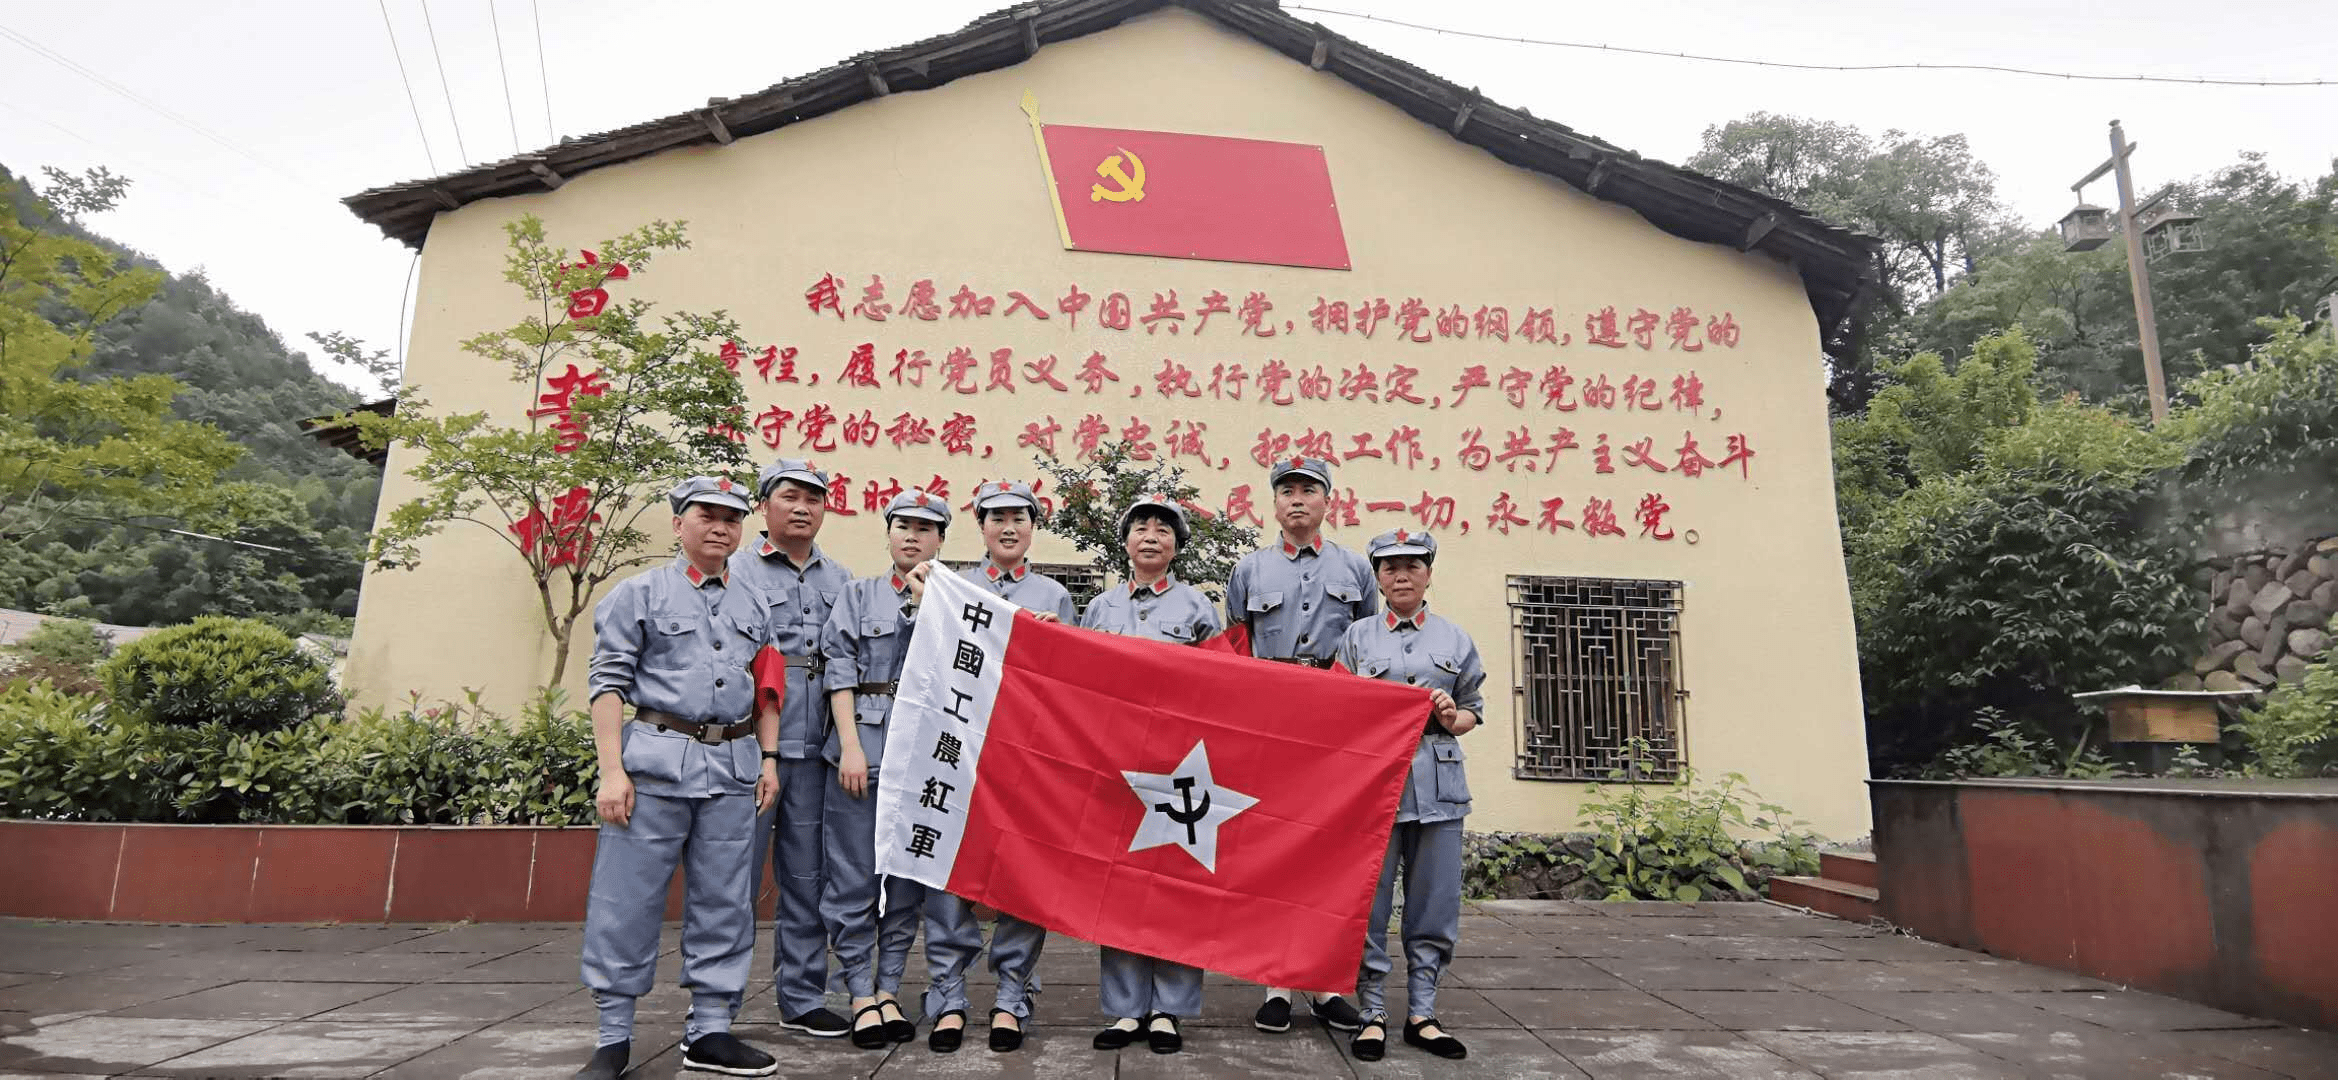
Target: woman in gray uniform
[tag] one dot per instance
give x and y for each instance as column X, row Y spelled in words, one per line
column 1145, row 996
column 1409, row 645
column 1007, row 513
column 864, row 643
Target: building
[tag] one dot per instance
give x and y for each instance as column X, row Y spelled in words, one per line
column 1597, row 377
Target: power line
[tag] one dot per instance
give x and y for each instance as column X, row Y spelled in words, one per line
column 443, row 88
column 2185, row 80
column 496, row 26
column 69, row 64
column 408, row 85
column 543, row 77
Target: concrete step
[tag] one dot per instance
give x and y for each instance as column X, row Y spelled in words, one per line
column 1841, row 899
column 1854, row 867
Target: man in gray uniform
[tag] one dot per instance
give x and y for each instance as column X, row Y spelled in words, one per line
column 1298, row 596
column 1412, row 646
column 800, row 584
column 681, row 783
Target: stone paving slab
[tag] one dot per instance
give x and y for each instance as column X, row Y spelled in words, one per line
column 1540, row 989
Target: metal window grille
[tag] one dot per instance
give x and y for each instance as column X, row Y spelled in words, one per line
column 1595, row 665
column 1082, row 580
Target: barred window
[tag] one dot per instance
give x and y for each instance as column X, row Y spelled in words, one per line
column 1595, row 665
column 1082, row 580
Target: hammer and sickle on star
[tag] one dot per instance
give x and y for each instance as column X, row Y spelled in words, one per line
column 1130, row 188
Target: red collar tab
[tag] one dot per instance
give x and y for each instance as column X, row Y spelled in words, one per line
column 1417, row 620
column 1292, row 550
column 900, row 584
column 1158, row 588
column 992, row 571
column 698, row 578
column 767, row 549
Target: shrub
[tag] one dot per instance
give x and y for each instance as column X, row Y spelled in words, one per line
column 1684, row 842
column 76, row 642
column 67, row 758
column 239, row 672
column 2295, row 734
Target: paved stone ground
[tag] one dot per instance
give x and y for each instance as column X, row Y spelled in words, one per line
column 1541, row 989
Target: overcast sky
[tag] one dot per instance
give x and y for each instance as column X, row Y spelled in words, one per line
column 288, row 105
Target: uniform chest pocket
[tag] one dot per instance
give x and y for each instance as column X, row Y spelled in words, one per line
column 1344, row 593
column 674, row 641
column 1180, row 635
column 1261, row 603
column 880, row 628
column 1448, row 669
column 1452, row 775
column 1372, row 667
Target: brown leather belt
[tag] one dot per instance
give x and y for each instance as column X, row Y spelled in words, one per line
column 886, row 688
column 710, row 734
column 815, row 663
column 1318, row 662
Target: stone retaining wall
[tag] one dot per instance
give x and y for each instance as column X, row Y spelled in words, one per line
column 2269, row 620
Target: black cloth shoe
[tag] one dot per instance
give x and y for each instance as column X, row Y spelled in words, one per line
column 1164, row 1042
column 900, row 1030
column 819, row 1023
column 608, row 1062
column 872, row 1037
column 1338, row 1015
column 1116, row 1036
column 1003, row 1039
column 723, row 1053
column 1274, row 1017
column 1443, row 1045
column 942, row 1040
column 1370, row 1043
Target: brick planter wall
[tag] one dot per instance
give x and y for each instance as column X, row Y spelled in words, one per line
column 297, row 873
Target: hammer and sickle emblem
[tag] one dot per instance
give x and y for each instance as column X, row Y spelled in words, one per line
column 1128, row 188
column 1191, row 813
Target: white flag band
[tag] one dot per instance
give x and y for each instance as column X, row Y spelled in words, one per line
column 949, row 682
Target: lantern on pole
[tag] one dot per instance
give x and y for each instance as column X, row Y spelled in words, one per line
column 2172, row 232
column 2085, row 228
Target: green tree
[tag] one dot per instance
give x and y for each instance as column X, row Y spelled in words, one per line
column 70, row 441
column 1930, row 200
column 1097, row 488
column 650, row 405
column 2003, row 552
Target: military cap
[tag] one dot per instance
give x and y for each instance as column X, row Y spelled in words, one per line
column 796, row 469
column 711, row 490
column 916, row 505
column 1178, row 523
column 1308, row 468
column 1397, row 542
column 1005, row 494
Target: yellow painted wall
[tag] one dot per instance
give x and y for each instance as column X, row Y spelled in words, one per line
column 945, row 184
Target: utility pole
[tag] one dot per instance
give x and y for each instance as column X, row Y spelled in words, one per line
column 2138, row 270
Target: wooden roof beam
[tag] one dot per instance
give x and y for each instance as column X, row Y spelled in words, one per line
column 876, row 80
column 444, row 199
column 1322, row 54
column 1030, row 24
column 1759, row 229
column 544, row 172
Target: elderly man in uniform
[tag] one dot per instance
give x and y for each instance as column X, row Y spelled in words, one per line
column 800, row 584
column 1298, row 595
column 1413, row 646
column 681, row 785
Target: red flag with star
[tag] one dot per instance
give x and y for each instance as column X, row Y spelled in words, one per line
column 1167, row 801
